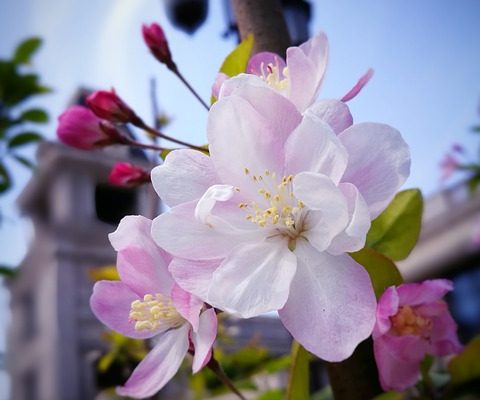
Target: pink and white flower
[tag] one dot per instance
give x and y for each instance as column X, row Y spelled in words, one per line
column 266, row 220
column 299, row 78
column 147, row 303
column 412, row 321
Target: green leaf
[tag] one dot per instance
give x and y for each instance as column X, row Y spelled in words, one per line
column 236, row 62
column 473, row 183
column 383, row 271
column 466, row 366
column 7, row 271
column 425, row 367
column 395, row 231
column 272, row 394
column 26, row 49
column 164, row 153
column 24, row 161
column 299, row 379
column 5, row 179
column 23, row 139
column 390, row 396
column 35, row 115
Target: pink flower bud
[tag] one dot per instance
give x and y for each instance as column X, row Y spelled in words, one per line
column 109, row 106
column 158, row 45
column 79, row 127
column 128, row 175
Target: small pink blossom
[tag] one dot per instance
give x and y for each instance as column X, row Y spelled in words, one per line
column 412, row 321
column 157, row 43
column 299, row 78
column 109, row 106
column 274, row 211
column 147, row 303
column 79, row 127
column 128, row 175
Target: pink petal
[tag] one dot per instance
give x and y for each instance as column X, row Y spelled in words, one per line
column 306, row 68
column 335, row 113
column 193, row 239
column 203, row 339
column 253, row 279
column 444, row 335
column 328, row 212
column 194, row 276
column 414, row 294
column 331, row 307
column 358, row 86
column 184, row 176
column 207, row 202
column 248, row 130
column 187, row 305
column 386, row 308
column 111, row 302
column 258, row 63
column 395, row 373
column 314, row 147
column 217, row 85
column 141, row 264
column 378, row 164
column 353, row 237
column 159, row 366
column 232, row 85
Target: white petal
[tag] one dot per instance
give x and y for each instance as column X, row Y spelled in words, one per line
column 184, row 176
column 203, row 339
column 354, row 235
column 314, row 147
column 159, row 366
column 331, row 307
column 334, row 112
column 253, row 279
column 247, row 132
column 327, row 213
column 379, row 162
column 209, row 199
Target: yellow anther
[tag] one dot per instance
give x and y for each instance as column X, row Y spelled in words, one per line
column 247, row 171
column 267, row 172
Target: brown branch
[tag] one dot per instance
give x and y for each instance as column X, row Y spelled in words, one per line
column 264, row 19
column 357, row 376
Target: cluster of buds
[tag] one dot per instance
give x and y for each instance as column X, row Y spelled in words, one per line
column 128, row 175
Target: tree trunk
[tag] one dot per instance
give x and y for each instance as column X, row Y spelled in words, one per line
column 263, row 18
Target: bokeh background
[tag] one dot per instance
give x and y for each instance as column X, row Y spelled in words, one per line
column 425, row 55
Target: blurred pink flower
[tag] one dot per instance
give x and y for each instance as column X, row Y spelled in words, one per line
column 147, row 303
column 274, row 210
column 412, row 321
column 156, row 41
column 79, row 127
column 109, row 106
column 448, row 166
column 128, row 175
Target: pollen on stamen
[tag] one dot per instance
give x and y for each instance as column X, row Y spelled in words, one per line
column 247, row 171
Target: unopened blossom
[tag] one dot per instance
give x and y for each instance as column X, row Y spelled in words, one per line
column 109, row 106
column 79, row 127
column 448, row 166
column 156, row 41
column 147, row 303
column 128, row 175
column 412, row 321
column 299, row 78
column 266, row 220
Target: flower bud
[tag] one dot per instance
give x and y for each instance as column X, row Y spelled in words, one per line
column 79, row 127
column 109, row 106
column 157, row 43
column 128, row 175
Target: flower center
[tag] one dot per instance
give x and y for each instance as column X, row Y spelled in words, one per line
column 277, row 207
column 274, row 76
column 408, row 322
column 154, row 311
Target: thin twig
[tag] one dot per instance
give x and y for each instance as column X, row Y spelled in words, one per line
column 215, row 367
column 189, row 87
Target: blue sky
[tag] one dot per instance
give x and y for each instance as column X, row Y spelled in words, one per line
column 425, row 55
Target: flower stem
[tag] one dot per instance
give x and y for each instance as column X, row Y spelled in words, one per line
column 189, row 87
column 215, row 367
column 133, row 143
column 141, row 124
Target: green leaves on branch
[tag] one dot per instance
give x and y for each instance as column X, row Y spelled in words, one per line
column 395, row 231
column 236, row 62
column 298, row 383
column 8, row 272
column 23, row 139
column 383, row 271
column 26, row 49
column 5, row 179
column 465, row 367
column 35, row 115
